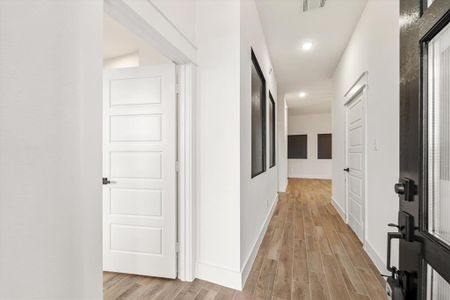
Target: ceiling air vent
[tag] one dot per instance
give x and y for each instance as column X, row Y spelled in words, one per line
column 313, row 4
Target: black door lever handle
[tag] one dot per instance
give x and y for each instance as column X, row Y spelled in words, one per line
column 347, row 169
column 106, row 180
column 396, row 226
column 391, row 236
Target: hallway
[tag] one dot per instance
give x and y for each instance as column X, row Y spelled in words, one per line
column 307, row 253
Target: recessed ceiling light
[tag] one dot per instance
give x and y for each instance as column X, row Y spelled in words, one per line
column 307, row 46
column 302, row 95
column 313, row 4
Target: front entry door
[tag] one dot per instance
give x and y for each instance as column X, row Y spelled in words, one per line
column 356, row 164
column 139, row 169
column 424, row 187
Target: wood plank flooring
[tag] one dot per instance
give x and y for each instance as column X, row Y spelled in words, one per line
column 308, row 252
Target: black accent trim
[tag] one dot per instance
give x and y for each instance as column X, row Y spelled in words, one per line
column 263, row 113
column 273, row 142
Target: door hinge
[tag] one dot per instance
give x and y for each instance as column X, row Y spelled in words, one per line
column 178, row 247
column 177, row 166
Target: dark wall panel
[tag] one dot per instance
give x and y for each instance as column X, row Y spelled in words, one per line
column 298, row 146
column 324, row 146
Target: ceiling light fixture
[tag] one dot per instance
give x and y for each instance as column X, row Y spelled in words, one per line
column 307, row 46
column 309, row 5
column 302, row 95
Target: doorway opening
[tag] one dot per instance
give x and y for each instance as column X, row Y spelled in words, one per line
column 147, row 165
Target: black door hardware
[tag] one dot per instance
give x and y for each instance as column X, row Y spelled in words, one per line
column 347, row 169
column 397, row 283
column 106, row 180
column 406, row 189
column 396, row 286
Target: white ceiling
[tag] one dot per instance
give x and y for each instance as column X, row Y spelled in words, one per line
column 286, row 28
column 119, row 41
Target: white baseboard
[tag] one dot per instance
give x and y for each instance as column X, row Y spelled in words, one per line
column 339, row 209
column 230, row 278
column 284, row 189
column 245, row 271
column 375, row 257
column 218, row 275
column 371, row 252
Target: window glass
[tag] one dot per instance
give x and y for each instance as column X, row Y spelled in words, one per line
column 439, row 135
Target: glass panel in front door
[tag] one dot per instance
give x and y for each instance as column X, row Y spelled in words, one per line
column 439, row 135
column 437, row 287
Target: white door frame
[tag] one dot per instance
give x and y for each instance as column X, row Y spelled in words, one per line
column 149, row 29
column 360, row 87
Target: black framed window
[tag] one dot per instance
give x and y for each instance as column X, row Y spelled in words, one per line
column 298, row 146
column 258, row 94
column 324, row 146
column 272, row 140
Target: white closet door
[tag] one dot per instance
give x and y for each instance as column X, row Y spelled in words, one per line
column 355, row 164
column 139, row 169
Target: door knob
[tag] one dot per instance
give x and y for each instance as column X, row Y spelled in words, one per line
column 347, row 169
column 405, row 189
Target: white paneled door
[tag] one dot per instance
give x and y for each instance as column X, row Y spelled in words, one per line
column 355, row 165
column 139, row 170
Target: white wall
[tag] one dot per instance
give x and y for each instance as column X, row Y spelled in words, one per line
column 282, row 131
column 124, row 61
column 312, row 125
column 374, row 47
column 50, row 233
column 50, row 153
column 134, row 59
column 218, row 144
column 258, row 194
column 233, row 208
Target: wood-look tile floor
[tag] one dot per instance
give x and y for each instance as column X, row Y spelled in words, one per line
column 308, row 252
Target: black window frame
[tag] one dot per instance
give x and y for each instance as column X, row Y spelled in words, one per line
column 263, row 118
column 272, row 132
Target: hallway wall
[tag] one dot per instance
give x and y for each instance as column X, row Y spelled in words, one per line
column 312, row 167
column 373, row 48
column 258, row 194
column 282, row 131
column 50, row 154
column 218, row 143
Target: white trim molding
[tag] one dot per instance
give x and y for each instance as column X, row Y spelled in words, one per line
column 339, row 209
column 186, row 225
column 375, row 257
column 360, row 84
column 231, row 278
column 219, row 275
column 145, row 20
column 245, row 271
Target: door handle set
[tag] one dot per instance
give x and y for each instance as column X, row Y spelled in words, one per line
column 347, row 170
column 397, row 282
column 106, row 181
